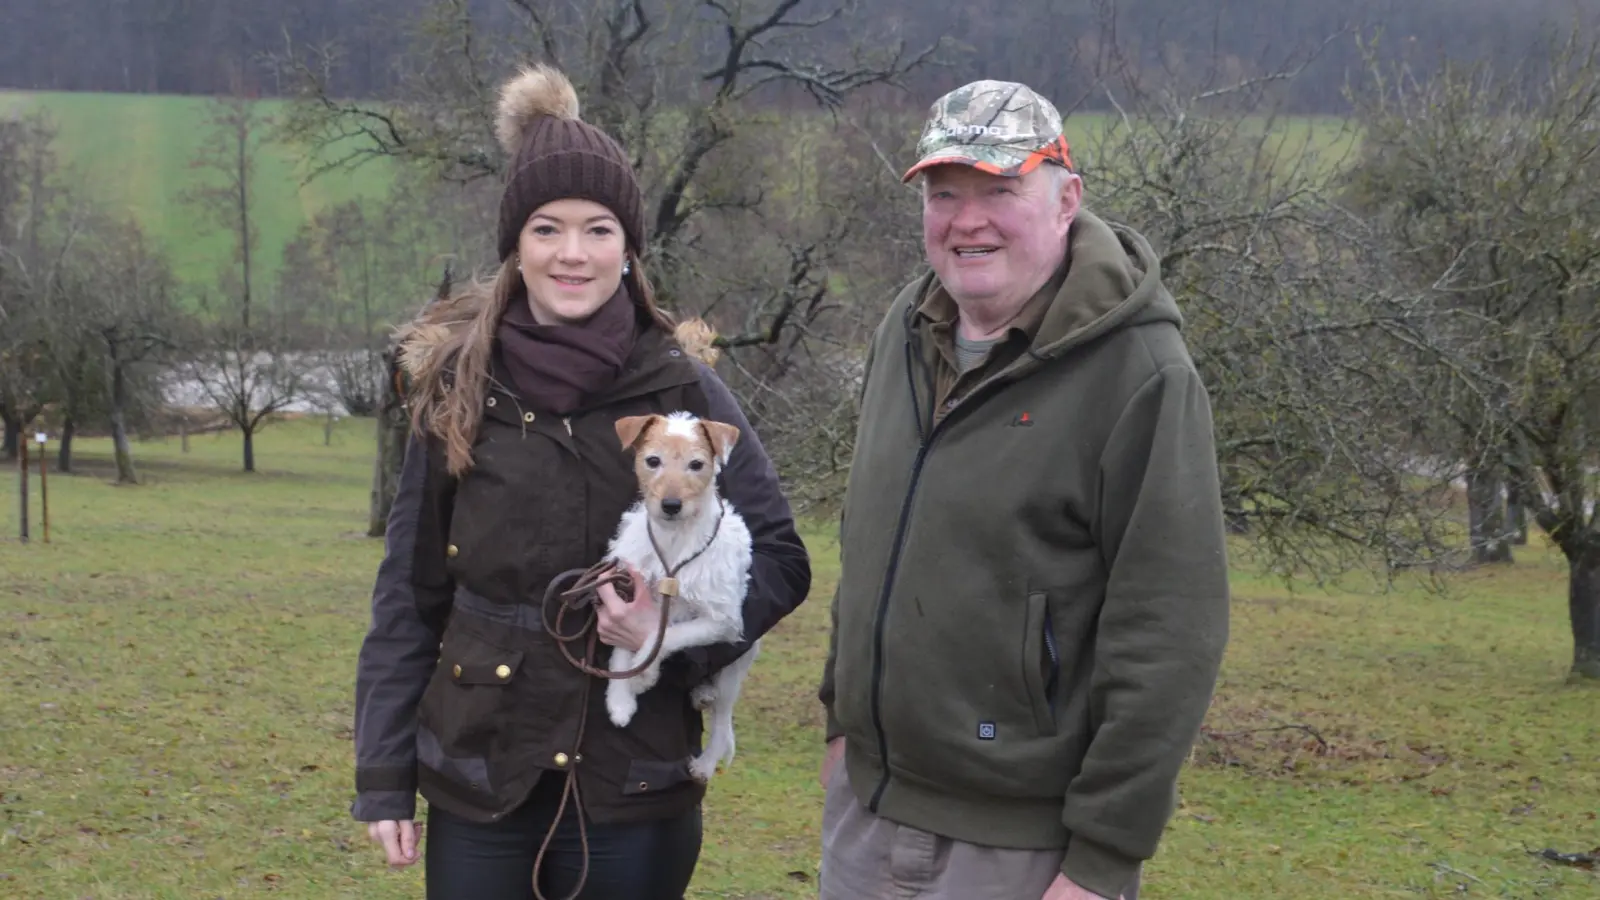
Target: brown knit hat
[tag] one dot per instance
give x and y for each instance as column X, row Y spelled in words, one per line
column 555, row 155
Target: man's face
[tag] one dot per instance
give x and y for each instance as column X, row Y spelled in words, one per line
column 994, row 240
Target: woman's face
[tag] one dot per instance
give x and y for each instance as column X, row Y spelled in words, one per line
column 571, row 252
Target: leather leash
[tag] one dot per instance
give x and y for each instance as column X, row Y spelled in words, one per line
column 585, row 594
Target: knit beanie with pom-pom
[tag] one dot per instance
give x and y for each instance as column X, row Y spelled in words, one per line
column 555, row 155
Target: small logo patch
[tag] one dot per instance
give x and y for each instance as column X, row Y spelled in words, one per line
column 1023, row 420
column 985, row 731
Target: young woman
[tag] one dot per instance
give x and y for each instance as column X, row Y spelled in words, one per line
column 514, row 474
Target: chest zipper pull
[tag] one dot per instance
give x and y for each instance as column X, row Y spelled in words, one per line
column 567, row 422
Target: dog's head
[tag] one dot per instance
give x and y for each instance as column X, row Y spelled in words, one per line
column 676, row 458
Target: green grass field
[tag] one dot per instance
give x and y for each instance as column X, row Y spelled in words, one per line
column 178, row 664
column 135, row 152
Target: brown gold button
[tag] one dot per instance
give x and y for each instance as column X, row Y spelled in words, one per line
column 451, row 551
column 457, row 670
column 561, row 760
column 527, row 417
column 503, row 672
column 489, row 402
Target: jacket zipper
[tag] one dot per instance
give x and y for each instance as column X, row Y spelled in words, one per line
column 924, row 443
column 1053, row 682
column 567, row 421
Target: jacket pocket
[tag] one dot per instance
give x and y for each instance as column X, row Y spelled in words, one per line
column 1041, row 663
column 648, row 775
column 467, row 701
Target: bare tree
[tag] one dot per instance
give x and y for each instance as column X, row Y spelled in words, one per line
column 723, row 105
column 31, row 261
column 241, row 359
column 137, row 325
column 1488, row 191
column 1279, row 292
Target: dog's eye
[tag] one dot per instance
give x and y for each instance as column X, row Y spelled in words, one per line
column 653, row 462
column 696, row 465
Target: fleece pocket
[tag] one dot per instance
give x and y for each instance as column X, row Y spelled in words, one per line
column 1041, row 663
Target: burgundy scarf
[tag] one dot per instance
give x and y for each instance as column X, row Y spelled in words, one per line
column 556, row 367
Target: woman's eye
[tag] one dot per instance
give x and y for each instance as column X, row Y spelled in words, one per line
column 544, row 230
column 696, row 466
column 601, row 230
column 653, row 462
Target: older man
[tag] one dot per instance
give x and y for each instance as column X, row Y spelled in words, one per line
column 1033, row 604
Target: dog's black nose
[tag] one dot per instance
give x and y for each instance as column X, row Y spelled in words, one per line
column 671, row 507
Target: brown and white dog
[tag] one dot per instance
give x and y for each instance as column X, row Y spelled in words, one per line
column 677, row 458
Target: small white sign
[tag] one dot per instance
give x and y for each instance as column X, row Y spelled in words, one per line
column 39, row 437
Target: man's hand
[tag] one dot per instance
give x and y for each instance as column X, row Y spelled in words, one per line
column 399, row 840
column 1063, row 889
column 830, row 760
column 628, row 625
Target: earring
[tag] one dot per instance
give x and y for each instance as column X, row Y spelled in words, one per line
column 627, row 266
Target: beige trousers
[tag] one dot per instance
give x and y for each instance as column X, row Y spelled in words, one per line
column 865, row 857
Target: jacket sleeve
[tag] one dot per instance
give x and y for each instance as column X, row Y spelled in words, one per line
column 780, row 567
column 410, row 603
column 1161, row 631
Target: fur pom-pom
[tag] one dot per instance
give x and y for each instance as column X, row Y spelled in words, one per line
column 697, row 338
column 536, row 91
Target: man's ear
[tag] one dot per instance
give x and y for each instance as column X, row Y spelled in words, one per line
column 631, row 428
column 1071, row 198
column 722, row 436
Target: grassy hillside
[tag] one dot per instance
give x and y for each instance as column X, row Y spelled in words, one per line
column 177, row 702
column 135, row 152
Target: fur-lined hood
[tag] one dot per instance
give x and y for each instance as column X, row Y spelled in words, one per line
column 426, row 344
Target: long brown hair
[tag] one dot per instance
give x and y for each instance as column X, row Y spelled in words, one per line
column 447, row 350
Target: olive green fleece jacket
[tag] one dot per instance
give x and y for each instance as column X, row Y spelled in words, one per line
column 1033, row 601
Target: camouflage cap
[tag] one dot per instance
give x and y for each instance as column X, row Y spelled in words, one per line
column 999, row 127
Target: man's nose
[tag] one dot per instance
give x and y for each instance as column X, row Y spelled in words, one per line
column 968, row 217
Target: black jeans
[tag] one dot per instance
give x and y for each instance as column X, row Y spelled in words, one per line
column 634, row 861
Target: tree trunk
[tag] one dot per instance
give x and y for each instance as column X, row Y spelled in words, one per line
column 119, row 430
column 1583, row 600
column 392, row 425
column 64, row 454
column 249, row 450
column 13, row 434
column 1487, row 517
column 1517, row 513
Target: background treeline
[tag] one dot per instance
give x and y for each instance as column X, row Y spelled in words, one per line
column 207, row 46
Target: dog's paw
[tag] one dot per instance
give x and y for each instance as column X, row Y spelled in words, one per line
column 621, row 704
column 702, row 767
column 703, row 696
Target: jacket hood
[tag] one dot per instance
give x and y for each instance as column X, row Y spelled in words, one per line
column 1113, row 281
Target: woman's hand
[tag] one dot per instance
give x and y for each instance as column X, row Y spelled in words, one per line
column 399, row 840
column 624, row 624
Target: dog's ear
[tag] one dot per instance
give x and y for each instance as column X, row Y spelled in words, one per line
column 631, row 428
column 722, row 437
